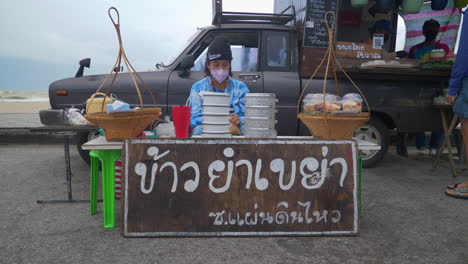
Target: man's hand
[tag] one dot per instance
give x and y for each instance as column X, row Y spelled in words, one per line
column 234, row 119
column 450, row 99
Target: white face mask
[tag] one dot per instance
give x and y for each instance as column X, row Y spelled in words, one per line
column 219, row 75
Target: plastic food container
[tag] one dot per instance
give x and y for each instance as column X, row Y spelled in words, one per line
column 313, row 103
column 352, row 96
column 261, row 99
column 212, row 108
column 215, row 118
column 259, row 122
column 260, row 133
column 215, row 127
column 212, row 98
column 352, row 102
column 437, row 54
column 216, row 135
column 260, row 111
column 352, row 106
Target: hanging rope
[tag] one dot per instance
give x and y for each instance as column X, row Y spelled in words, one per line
column 330, row 57
column 115, row 70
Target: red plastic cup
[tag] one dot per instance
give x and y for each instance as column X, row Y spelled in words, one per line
column 181, row 118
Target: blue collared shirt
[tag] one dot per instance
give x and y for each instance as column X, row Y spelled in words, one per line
column 460, row 68
column 236, row 89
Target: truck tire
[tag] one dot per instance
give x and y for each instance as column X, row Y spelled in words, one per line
column 377, row 132
column 83, row 138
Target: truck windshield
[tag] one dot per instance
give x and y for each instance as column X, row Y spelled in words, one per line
column 176, row 52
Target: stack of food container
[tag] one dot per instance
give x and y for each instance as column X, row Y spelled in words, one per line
column 216, row 116
column 260, row 110
column 350, row 103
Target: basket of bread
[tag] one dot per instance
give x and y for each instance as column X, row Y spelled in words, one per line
column 330, row 116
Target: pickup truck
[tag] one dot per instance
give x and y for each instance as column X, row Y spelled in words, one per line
column 266, row 56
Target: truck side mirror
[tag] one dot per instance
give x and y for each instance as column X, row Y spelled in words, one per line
column 83, row 63
column 187, row 62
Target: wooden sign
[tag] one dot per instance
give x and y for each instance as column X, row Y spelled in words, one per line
column 315, row 29
column 357, row 50
column 239, row 187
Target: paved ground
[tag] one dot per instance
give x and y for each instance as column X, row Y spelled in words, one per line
column 19, row 120
column 406, row 219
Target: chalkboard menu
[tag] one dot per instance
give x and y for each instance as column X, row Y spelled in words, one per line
column 315, row 29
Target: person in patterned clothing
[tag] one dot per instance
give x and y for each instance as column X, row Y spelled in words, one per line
column 423, row 50
column 218, row 79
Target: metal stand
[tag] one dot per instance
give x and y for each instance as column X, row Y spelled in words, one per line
column 66, row 132
column 68, row 174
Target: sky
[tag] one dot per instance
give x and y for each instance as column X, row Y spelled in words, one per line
column 43, row 41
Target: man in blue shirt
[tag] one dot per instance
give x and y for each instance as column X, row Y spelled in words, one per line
column 218, row 72
column 458, row 94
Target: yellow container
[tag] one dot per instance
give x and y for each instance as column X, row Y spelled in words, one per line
column 94, row 105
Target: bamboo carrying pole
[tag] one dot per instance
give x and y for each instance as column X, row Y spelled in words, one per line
column 339, row 125
column 118, row 126
column 118, row 63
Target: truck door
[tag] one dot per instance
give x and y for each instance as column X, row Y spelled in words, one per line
column 280, row 76
column 244, row 65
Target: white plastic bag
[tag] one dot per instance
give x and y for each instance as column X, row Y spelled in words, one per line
column 75, row 118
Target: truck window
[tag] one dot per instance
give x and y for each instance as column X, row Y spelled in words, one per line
column 276, row 46
column 244, row 47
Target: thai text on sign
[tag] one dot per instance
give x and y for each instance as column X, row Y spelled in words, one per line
column 239, row 187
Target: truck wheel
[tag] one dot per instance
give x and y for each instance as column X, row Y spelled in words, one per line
column 83, row 138
column 374, row 131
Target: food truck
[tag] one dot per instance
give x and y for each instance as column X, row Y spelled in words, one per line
column 277, row 53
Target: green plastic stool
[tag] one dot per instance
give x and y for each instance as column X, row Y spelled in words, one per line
column 108, row 157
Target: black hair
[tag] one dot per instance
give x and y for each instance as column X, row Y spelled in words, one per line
column 207, row 71
column 431, row 22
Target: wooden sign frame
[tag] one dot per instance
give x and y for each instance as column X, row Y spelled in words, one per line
column 321, row 199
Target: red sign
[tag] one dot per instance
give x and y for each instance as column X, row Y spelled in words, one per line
column 349, row 19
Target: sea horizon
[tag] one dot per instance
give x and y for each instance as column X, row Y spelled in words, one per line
column 24, row 95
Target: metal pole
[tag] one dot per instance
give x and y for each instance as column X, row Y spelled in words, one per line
column 66, row 149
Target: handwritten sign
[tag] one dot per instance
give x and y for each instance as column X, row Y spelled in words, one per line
column 357, row 50
column 315, row 29
column 239, row 187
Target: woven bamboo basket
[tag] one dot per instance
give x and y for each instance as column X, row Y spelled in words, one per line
column 118, row 126
column 329, row 125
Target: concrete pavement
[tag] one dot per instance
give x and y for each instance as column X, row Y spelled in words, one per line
column 406, row 219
